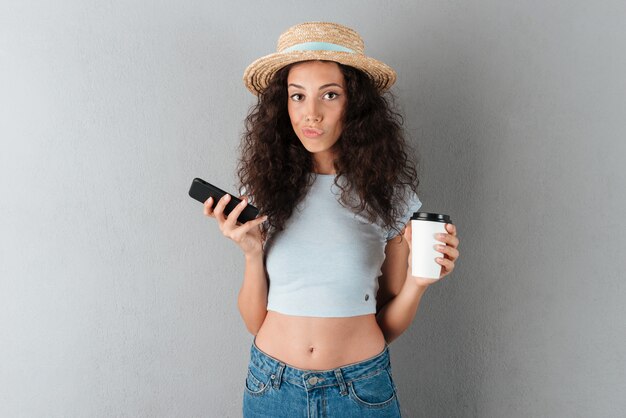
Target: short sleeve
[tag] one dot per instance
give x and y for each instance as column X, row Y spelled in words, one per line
column 410, row 206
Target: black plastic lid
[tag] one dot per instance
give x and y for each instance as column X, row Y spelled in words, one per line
column 432, row 217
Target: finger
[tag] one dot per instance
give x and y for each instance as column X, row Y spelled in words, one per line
column 208, row 207
column 219, row 208
column 452, row 229
column 451, row 252
column 448, row 239
column 448, row 265
column 248, row 226
column 234, row 214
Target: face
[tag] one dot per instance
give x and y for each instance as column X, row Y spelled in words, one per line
column 316, row 102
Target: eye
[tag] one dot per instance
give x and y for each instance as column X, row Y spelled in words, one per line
column 331, row 95
column 296, row 97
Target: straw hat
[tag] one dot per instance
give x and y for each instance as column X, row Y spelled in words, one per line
column 317, row 41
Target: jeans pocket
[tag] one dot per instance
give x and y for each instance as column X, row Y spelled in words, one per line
column 375, row 391
column 393, row 383
column 257, row 382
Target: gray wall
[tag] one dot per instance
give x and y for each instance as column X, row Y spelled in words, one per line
column 118, row 298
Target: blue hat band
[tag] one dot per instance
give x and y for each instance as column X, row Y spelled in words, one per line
column 317, row 46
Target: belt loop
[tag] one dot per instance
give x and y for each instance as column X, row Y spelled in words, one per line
column 342, row 384
column 278, row 376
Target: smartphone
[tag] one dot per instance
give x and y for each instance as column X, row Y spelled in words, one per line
column 202, row 190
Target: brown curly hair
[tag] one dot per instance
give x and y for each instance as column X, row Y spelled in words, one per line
column 274, row 167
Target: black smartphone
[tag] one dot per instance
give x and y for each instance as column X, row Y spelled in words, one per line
column 202, row 190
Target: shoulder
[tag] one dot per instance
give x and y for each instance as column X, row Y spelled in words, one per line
column 408, row 203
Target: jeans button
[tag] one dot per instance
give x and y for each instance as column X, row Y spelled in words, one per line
column 313, row 380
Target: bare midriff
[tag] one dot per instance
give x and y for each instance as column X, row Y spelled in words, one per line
column 314, row 343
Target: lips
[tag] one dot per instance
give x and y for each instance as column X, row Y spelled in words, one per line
column 312, row 132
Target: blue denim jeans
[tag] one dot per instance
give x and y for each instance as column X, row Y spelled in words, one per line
column 274, row 389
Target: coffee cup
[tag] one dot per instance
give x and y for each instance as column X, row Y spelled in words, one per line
column 424, row 227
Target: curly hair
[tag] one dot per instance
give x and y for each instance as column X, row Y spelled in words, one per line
column 372, row 156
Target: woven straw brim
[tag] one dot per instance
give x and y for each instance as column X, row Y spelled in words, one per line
column 258, row 74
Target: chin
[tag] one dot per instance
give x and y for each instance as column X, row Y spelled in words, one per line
column 314, row 149
column 311, row 147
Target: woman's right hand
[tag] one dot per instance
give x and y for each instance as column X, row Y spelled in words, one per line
column 247, row 236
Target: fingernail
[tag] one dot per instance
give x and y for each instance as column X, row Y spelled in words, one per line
column 227, row 197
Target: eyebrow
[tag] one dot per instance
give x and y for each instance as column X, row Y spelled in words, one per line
column 321, row 87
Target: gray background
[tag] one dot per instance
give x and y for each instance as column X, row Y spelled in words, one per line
column 118, row 297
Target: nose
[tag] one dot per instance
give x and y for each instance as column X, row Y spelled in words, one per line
column 313, row 113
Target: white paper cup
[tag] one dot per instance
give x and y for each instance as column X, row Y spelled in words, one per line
column 424, row 227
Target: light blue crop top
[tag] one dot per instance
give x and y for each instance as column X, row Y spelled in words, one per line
column 327, row 260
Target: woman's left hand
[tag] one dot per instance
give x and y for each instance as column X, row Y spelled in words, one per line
column 449, row 249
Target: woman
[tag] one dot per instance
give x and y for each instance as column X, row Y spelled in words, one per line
column 327, row 283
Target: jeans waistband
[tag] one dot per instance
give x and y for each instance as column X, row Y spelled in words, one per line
column 311, row 379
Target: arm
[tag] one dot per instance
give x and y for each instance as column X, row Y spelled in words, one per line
column 399, row 296
column 400, row 291
column 252, row 300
